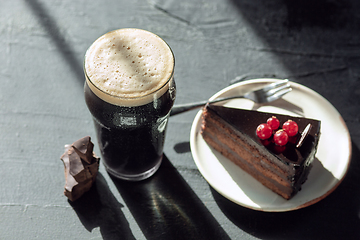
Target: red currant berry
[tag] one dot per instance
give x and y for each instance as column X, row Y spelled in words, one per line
column 279, row 149
column 266, row 142
column 273, row 122
column 264, row 131
column 281, row 138
column 291, row 128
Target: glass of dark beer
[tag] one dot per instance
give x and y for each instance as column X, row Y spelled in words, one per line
column 130, row 90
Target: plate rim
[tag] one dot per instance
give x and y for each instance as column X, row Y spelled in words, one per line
column 194, row 133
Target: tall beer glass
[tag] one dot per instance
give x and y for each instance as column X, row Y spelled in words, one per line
column 130, row 90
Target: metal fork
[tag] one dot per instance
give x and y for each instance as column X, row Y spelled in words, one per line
column 269, row 93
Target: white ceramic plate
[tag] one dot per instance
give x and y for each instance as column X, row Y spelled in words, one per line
column 330, row 166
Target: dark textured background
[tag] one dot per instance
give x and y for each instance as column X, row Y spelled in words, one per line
column 42, row 43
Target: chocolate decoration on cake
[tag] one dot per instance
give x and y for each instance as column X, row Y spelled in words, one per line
column 81, row 167
column 304, row 135
column 283, row 169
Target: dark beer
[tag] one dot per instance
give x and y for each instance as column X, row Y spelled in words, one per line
column 131, row 139
column 130, row 129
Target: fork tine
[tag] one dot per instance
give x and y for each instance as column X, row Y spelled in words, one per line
column 275, row 85
column 278, row 94
column 276, row 89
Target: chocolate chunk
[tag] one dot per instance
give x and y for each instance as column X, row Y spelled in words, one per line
column 84, row 148
column 81, row 167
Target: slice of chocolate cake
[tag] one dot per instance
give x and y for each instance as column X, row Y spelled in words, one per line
column 283, row 169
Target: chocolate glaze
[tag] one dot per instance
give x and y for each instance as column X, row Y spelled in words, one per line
column 246, row 121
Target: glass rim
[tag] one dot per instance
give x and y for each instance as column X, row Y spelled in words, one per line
column 88, row 80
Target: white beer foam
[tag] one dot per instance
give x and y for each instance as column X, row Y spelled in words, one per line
column 129, row 67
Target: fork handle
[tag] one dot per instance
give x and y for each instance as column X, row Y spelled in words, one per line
column 180, row 108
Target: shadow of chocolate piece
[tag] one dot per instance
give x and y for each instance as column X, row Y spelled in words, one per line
column 99, row 208
column 165, row 207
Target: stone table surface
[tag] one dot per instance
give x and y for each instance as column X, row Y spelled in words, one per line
column 215, row 42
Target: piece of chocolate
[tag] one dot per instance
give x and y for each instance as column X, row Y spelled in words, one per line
column 84, row 149
column 81, row 167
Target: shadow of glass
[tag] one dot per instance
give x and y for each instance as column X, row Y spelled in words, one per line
column 165, row 207
column 337, row 210
column 99, row 208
